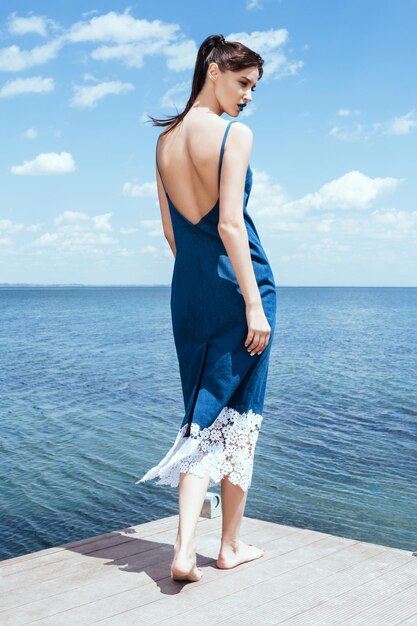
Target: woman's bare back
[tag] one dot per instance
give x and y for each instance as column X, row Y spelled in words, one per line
column 188, row 159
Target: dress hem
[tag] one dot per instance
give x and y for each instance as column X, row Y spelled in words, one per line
column 224, row 449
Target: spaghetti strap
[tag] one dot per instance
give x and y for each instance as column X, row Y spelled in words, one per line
column 222, row 152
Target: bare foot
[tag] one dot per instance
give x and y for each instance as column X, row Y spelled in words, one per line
column 185, row 569
column 229, row 557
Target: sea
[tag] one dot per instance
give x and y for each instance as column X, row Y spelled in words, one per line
column 90, row 399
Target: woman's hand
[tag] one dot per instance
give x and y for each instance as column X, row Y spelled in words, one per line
column 259, row 330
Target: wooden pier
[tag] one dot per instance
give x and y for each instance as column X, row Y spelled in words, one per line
column 122, row 578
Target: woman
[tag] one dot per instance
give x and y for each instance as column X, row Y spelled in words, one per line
column 223, row 298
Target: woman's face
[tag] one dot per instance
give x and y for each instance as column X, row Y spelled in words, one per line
column 235, row 88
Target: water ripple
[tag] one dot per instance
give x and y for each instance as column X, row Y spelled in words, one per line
column 91, row 398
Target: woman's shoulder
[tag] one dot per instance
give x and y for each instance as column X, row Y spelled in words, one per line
column 200, row 136
column 241, row 129
column 193, row 127
column 215, row 123
column 238, row 127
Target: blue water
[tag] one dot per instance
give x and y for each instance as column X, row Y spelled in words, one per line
column 91, row 399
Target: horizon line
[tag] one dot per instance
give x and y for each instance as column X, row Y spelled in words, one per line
column 169, row 285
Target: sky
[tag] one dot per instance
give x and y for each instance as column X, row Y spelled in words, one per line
column 334, row 120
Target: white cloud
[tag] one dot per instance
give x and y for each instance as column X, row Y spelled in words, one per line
column 130, row 54
column 129, row 40
column 128, row 231
column 325, row 225
column 13, row 59
column 181, row 56
column 149, row 249
column 398, row 125
column 253, row 4
column 122, row 37
column 24, row 25
column 356, row 133
column 30, row 133
column 89, row 77
column 353, row 190
column 340, row 207
column 71, row 217
column 33, row 228
column 34, row 84
column 397, row 221
column 402, row 125
column 76, row 219
column 102, row 222
column 133, row 190
column 155, row 228
column 78, row 232
column 46, row 163
column 121, row 28
column 87, row 97
column 324, row 245
column 269, row 44
column 83, row 241
column 176, row 96
column 7, row 226
column 88, row 13
column 347, row 112
column 268, row 199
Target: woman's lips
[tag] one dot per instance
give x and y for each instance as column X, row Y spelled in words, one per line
column 241, row 106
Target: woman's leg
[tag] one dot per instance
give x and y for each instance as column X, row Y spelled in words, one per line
column 191, row 494
column 232, row 550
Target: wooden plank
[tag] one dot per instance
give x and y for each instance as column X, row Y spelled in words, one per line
column 85, row 572
column 245, row 594
column 50, row 570
column 305, row 577
column 393, row 610
column 87, row 545
column 410, row 621
column 88, row 589
column 345, row 605
column 90, row 547
column 333, row 599
column 214, row 583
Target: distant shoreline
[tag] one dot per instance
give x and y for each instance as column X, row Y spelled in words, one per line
column 87, row 285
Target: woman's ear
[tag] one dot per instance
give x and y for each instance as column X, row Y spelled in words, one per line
column 213, row 71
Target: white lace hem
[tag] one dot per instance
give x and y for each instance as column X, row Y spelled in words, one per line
column 226, row 448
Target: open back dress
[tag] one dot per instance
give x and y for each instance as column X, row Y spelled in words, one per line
column 223, row 385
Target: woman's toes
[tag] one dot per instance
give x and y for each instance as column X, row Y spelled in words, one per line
column 244, row 554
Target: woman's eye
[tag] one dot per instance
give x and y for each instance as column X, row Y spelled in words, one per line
column 245, row 85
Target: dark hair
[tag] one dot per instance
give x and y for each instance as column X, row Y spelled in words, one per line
column 229, row 55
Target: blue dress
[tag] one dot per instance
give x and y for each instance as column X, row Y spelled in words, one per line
column 223, row 385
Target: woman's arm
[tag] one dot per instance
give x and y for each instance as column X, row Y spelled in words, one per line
column 231, row 227
column 233, row 233
column 165, row 214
